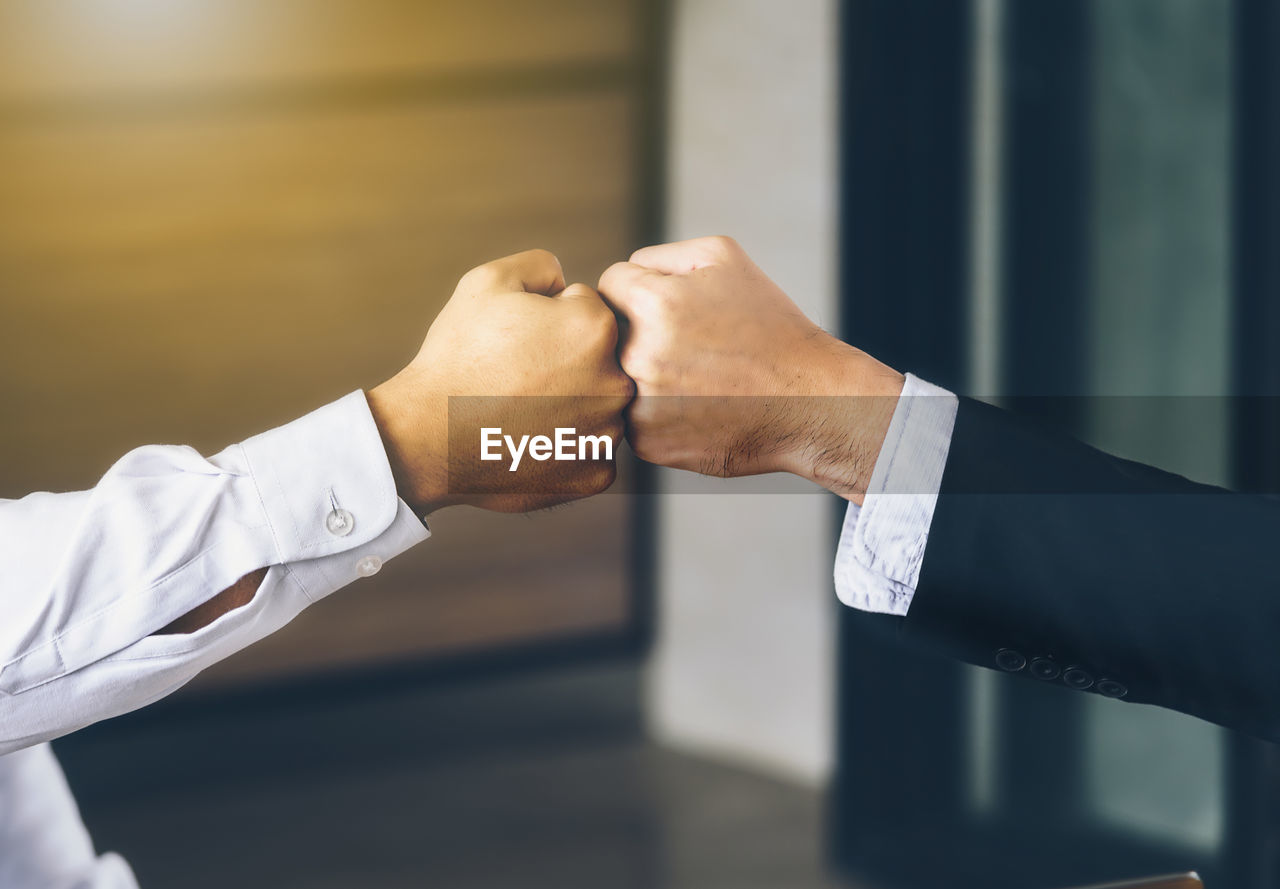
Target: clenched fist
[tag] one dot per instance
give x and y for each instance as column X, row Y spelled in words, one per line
column 731, row 377
column 514, row 358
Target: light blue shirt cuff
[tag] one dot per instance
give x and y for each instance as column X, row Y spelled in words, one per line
column 882, row 542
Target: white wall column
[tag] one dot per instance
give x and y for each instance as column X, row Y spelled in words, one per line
column 744, row 659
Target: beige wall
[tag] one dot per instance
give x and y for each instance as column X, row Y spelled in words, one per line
column 744, row 657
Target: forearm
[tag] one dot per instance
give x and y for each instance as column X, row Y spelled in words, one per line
column 238, row 594
column 118, row 595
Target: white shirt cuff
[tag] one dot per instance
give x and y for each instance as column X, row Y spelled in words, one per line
column 882, row 542
column 164, row 531
column 327, row 490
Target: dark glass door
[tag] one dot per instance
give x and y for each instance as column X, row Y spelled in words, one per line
column 1064, row 207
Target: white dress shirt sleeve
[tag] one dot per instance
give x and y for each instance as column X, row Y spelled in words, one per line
column 88, row 577
column 882, row 542
column 43, row 842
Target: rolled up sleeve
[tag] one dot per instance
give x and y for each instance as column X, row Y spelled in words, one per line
column 90, row 576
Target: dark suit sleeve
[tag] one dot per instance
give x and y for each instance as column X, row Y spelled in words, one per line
column 1049, row 559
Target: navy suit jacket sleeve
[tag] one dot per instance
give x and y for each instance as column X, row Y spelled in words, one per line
column 1052, row 560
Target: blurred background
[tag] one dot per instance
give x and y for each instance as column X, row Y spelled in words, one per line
column 216, row 216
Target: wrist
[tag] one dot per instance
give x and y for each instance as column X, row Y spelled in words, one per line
column 413, row 433
column 841, row 425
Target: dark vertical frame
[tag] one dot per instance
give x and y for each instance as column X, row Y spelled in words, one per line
column 1253, row 769
column 1045, row 258
column 904, row 139
column 1256, row 237
column 904, row 135
column 1046, row 201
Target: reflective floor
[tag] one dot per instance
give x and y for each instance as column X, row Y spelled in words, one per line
column 544, row 783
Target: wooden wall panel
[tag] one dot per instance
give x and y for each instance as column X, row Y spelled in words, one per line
column 202, row 268
column 77, row 50
column 182, row 264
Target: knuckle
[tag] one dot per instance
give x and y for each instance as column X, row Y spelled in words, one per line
column 599, row 477
column 636, row 363
column 606, row 473
column 722, row 246
column 619, row 442
column 480, row 275
column 611, row 275
column 626, row 388
column 617, row 390
column 597, row 329
column 604, row 322
column 660, row 294
column 597, row 309
column 541, row 256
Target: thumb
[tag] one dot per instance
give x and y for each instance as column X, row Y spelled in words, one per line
column 533, row 271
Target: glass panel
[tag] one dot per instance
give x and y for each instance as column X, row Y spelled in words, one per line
column 1159, row 308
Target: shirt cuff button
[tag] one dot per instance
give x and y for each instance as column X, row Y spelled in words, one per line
column 368, row 566
column 340, row 523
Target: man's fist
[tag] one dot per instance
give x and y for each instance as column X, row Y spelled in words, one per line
column 513, row 350
column 732, row 378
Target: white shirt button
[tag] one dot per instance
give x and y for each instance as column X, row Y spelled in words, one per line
column 368, row 566
column 340, row 523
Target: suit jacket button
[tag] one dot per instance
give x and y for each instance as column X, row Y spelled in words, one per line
column 1009, row 660
column 1111, row 688
column 1045, row 668
column 1077, row 677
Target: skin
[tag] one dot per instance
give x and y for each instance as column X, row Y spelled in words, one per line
column 701, row 322
column 538, row 355
column 730, row 379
